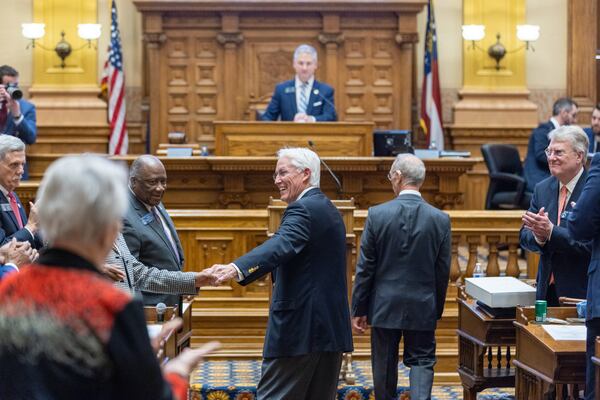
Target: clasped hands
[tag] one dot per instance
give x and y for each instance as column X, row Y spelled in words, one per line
column 216, row 275
column 539, row 224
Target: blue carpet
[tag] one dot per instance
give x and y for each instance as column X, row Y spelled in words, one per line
column 236, row 380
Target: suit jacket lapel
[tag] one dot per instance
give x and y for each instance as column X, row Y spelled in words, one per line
column 13, row 218
column 312, row 97
column 552, row 196
column 577, row 190
column 165, row 216
column 291, row 93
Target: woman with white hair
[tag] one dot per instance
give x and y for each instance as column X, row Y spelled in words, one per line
column 67, row 332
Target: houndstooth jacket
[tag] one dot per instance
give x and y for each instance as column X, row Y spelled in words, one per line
column 140, row 277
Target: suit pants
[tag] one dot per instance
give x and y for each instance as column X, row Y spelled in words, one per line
column 306, row 377
column 419, row 356
column 593, row 330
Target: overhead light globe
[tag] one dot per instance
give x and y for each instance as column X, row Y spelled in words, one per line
column 473, row 32
column 33, row 31
column 528, row 33
column 89, row 31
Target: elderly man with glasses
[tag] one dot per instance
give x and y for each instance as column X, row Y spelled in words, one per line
column 562, row 270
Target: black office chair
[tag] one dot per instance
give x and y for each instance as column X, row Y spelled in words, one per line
column 507, row 190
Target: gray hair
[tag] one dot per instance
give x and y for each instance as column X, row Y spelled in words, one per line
column 302, row 158
column 80, row 198
column 411, row 168
column 562, row 104
column 8, row 144
column 305, row 49
column 572, row 134
column 141, row 162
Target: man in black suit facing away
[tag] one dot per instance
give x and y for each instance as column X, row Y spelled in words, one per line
column 309, row 319
column 13, row 220
column 401, row 280
column 564, row 112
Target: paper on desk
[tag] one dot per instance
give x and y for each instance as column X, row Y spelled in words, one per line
column 565, row 332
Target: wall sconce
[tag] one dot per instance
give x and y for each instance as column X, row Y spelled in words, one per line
column 497, row 51
column 63, row 48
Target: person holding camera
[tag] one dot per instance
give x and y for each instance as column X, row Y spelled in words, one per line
column 17, row 116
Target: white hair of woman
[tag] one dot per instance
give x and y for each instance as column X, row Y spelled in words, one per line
column 302, row 158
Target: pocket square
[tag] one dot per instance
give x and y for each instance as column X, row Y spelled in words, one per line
column 318, row 103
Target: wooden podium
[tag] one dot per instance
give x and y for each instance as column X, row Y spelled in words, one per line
column 342, row 139
column 542, row 361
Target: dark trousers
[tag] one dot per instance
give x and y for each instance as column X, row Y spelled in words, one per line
column 551, row 296
column 419, row 356
column 307, row 377
column 593, row 330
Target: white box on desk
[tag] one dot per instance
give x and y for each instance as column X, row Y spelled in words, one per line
column 500, row 291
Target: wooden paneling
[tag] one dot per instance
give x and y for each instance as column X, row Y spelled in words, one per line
column 221, row 60
column 240, row 138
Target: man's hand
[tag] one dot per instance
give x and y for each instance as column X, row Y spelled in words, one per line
column 223, row 273
column 13, row 105
column 187, row 360
column 167, row 328
column 539, row 224
column 32, row 221
column 359, row 324
column 205, row 278
column 113, row 272
column 301, row 117
column 18, row 253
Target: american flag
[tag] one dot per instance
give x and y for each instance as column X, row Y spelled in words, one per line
column 431, row 103
column 113, row 81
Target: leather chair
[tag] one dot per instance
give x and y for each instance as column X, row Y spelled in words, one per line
column 507, row 189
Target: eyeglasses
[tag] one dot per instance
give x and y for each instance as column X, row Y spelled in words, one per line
column 557, row 153
column 283, row 173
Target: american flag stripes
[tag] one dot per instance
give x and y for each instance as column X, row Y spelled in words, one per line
column 113, row 79
column 431, row 102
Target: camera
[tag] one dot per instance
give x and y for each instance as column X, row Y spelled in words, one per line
column 14, row 92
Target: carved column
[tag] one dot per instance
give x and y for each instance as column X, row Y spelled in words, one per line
column 331, row 38
column 406, row 38
column 230, row 38
column 154, row 37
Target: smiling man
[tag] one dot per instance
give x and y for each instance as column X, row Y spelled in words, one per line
column 562, row 270
column 302, row 99
column 309, row 320
column 148, row 230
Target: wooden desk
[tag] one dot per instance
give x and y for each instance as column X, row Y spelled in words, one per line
column 247, row 182
column 185, row 333
column 542, row 361
column 337, row 139
column 168, row 346
column 481, row 364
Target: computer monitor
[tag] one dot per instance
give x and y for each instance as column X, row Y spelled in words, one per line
column 391, row 143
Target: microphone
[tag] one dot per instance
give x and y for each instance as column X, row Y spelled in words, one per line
column 325, row 99
column 338, row 184
column 161, row 309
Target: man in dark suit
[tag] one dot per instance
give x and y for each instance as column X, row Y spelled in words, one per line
column 148, row 230
column 564, row 112
column 593, row 131
column 302, row 99
column 584, row 224
column 562, row 270
column 309, row 320
column 13, row 220
column 401, row 280
column 17, row 117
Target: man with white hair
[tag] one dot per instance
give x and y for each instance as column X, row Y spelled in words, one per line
column 562, row 270
column 401, row 281
column 302, row 99
column 13, row 220
column 309, row 322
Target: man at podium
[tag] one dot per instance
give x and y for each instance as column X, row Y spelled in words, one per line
column 302, row 99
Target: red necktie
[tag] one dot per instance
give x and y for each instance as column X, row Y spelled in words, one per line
column 562, row 202
column 15, row 208
column 3, row 114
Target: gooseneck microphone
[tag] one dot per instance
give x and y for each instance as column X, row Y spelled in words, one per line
column 325, row 99
column 161, row 309
column 335, row 178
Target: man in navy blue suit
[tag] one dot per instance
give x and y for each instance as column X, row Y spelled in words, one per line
column 562, row 270
column 584, row 224
column 17, row 117
column 13, row 220
column 309, row 319
column 564, row 112
column 302, row 99
column 593, row 131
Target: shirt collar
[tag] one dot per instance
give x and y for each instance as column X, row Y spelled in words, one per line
column 148, row 207
column 573, row 182
column 299, row 82
column 554, row 122
column 305, row 191
column 409, row 191
column 4, row 191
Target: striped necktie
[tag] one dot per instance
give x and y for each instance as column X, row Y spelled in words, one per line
column 303, row 98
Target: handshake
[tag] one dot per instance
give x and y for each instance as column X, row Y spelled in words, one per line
column 216, row 275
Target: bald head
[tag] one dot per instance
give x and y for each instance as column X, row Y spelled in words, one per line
column 148, row 179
